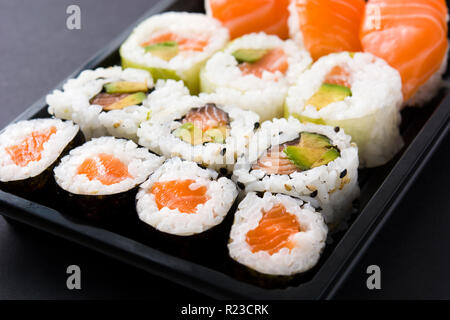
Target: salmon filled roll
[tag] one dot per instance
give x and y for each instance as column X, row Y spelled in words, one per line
column 315, row 163
column 412, row 36
column 100, row 176
column 197, row 129
column 174, row 45
column 358, row 92
column 104, row 101
column 277, row 235
column 30, row 149
column 254, row 73
column 182, row 199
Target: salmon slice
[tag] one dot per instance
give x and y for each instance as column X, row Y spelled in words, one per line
column 275, row 161
column 106, row 99
column 329, row 26
column 273, row 61
column 177, row 194
column 273, row 231
column 184, row 43
column 207, row 117
column 242, row 17
column 411, row 35
column 339, row 76
column 105, row 168
column 30, row 148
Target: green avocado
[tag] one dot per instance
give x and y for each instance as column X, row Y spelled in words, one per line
column 130, row 100
column 125, row 87
column 313, row 150
column 249, row 55
column 189, row 133
column 164, row 50
column 216, row 135
column 327, row 94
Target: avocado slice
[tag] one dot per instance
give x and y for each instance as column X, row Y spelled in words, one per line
column 125, row 87
column 313, row 150
column 216, row 135
column 164, row 50
column 189, row 133
column 327, row 94
column 130, row 100
column 249, row 55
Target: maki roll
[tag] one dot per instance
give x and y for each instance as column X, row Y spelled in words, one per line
column 315, row 163
column 254, row 72
column 29, row 150
column 357, row 92
column 174, row 45
column 198, row 129
column 104, row 101
column 277, row 235
column 183, row 199
column 100, row 178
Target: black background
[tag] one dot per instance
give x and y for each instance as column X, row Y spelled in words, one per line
column 37, row 51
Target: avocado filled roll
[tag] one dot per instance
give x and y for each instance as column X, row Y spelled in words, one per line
column 182, row 199
column 254, row 72
column 277, row 235
column 104, row 101
column 174, row 45
column 100, row 178
column 30, row 149
column 197, row 129
column 315, row 163
column 358, row 92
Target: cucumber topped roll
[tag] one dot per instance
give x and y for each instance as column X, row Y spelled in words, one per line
column 29, row 150
column 254, row 72
column 104, row 101
column 174, row 45
column 197, row 129
column 315, row 163
column 358, row 92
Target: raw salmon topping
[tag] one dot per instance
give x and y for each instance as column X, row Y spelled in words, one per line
column 207, row 117
column 275, row 60
column 273, row 231
column 105, row 168
column 339, row 76
column 184, row 43
column 30, row 149
column 106, row 99
column 275, row 161
column 178, row 194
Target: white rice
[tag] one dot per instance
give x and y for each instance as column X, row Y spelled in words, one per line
column 72, row 103
column 334, row 194
column 265, row 95
column 15, row 133
column 221, row 192
column 156, row 134
column 371, row 115
column 186, row 64
column 139, row 161
column 309, row 243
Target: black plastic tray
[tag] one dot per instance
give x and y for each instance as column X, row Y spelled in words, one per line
column 381, row 191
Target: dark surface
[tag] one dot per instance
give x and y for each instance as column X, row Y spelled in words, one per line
column 37, row 52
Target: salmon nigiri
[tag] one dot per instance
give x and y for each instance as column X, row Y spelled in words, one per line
column 242, row 17
column 326, row 26
column 411, row 35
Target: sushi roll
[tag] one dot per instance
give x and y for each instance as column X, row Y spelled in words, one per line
column 174, row 45
column 182, row 199
column 197, row 129
column 243, row 17
column 30, row 149
column 254, row 72
column 326, row 26
column 99, row 179
column 357, row 92
column 277, row 235
column 315, row 163
column 104, row 101
column 421, row 56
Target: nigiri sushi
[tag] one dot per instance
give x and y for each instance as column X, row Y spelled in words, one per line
column 326, row 26
column 411, row 35
column 243, row 17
